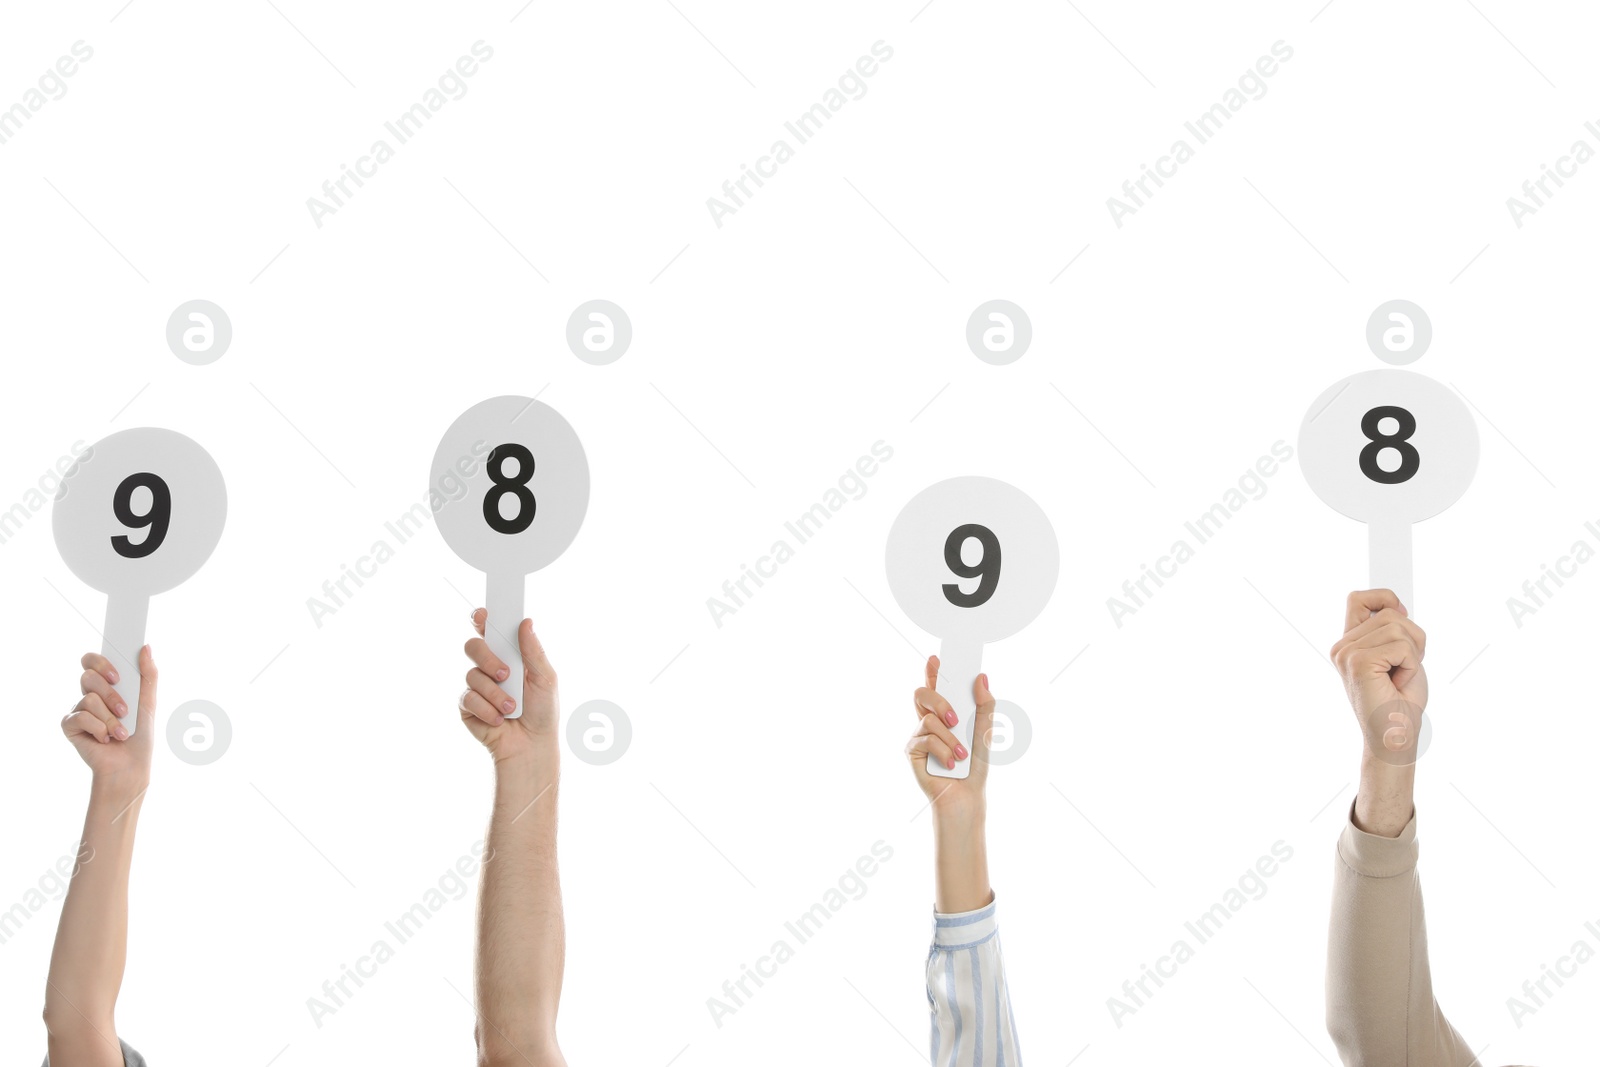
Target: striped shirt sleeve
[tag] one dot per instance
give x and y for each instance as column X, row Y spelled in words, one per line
column 969, row 1006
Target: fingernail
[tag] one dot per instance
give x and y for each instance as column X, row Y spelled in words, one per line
column 984, row 678
column 961, row 750
column 950, row 764
column 1403, row 610
column 501, row 675
column 112, row 676
column 121, row 709
column 120, row 733
column 509, row 705
column 950, row 718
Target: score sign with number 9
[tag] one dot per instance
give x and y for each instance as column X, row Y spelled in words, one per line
column 519, row 489
column 971, row 560
column 137, row 514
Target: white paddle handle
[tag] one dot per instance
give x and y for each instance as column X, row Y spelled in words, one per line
column 503, row 602
column 959, row 664
column 1389, row 559
column 123, row 638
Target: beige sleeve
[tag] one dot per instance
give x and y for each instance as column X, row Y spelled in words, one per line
column 1381, row 1011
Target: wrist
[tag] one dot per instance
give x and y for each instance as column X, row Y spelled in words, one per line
column 959, row 815
column 120, row 788
column 527, row 772
column 1384, row 800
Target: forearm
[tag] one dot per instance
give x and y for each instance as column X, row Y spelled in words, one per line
column 969, row 1003
column 1384, row 803
column 1380, row 1003
column 90, row 952
column 961, row 860
column 521, row 936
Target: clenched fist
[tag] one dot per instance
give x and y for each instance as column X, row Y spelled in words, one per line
column 1380, row 660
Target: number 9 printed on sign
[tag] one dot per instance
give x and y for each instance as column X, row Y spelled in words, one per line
column 139, row 513
column 971, row 560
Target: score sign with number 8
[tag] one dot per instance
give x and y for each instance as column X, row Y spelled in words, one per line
column 1389, row 448
column 139, row 513
column 972, row 560
column 519, row 490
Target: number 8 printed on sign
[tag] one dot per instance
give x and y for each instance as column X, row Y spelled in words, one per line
column 1389, row 448
column 516, row 511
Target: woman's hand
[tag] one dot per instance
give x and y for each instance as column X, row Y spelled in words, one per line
column 961, row 858
column 484, row 702
column 95, row 724
column 934, row 738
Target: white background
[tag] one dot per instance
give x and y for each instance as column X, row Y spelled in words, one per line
column 827, row 314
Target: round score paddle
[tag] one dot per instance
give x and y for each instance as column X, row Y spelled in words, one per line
column 971, row 560
column 1389, row 448
column 139, row 513
column 515, row 485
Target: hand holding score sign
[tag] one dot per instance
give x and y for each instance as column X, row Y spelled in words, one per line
column 521, row 508
column 950, row 534
column 139, row 513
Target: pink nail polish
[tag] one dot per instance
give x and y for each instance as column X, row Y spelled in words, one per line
column 950, row 718
column 961, row 751
column 950, row 764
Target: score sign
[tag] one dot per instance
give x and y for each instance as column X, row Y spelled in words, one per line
column 1389, row 448
column 520, row 509
column 971, row 560
column 139, row 513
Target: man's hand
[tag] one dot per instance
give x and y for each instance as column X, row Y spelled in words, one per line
column 94, row 726
column 1380, row 660
column 484, row 702
column 521, row 947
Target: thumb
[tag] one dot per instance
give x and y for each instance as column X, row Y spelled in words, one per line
column 983, row 721
column 147, row 689
column 981, row 694
column 533, row 657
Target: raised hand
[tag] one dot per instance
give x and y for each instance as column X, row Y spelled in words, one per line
column 934, row 737
column 1380, row 660
column 94, row 725
column 484, row 702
